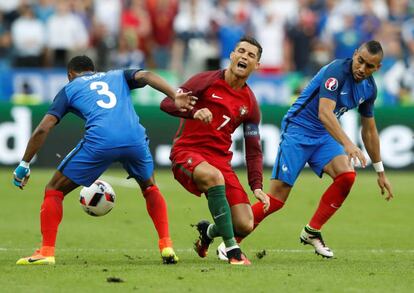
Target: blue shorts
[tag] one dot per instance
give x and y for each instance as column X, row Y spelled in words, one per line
column 84, row 164
column 297, row 149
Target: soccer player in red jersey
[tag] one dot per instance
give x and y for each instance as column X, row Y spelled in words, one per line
column 201, row 153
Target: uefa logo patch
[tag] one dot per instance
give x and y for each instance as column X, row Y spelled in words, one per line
column 331, row 84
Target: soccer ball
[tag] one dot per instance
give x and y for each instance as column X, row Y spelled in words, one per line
column 98, row 199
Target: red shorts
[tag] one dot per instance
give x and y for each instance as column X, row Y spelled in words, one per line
column 184, row 163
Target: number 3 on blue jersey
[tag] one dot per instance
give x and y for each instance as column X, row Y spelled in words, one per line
column 102, row 88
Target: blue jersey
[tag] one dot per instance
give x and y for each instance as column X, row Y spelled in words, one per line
column 334, row 81
column 103, row 100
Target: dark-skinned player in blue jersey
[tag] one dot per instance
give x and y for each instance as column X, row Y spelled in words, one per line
column 113, row 133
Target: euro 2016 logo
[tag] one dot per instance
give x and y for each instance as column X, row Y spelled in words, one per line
column 331, row 84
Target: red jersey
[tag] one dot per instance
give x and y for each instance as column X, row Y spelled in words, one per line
column 230, row 108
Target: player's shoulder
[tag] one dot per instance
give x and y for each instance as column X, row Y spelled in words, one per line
column 250, row 93
column 115, row 72
column 340, row 65
column 335, row 73
column 209, row 75
column 62, row 94
column 201, row 81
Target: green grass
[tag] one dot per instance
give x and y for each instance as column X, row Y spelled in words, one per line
column 371, row 239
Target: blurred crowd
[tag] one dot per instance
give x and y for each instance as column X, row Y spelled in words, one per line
column 188, row 36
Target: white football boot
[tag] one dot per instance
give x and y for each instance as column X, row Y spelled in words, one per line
column 221, row 252
column 314, row 238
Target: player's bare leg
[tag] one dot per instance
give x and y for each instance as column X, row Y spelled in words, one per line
column 340, row 170
column 279, row 192
column 157, row 210
column 210, row 181
column 242, row 218
column 50, row 217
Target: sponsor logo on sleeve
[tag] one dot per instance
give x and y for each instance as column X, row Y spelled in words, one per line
column 331, row 84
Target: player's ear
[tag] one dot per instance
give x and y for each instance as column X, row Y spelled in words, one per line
column 379, row 67
column 71, row 75
column 231, row 55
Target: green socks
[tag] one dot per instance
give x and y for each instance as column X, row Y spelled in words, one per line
column 220, row 211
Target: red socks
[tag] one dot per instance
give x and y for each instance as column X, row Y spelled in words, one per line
column 50, row 216
column 52, row 210
column 157, row 209
column 259, row 214
column 332, row 199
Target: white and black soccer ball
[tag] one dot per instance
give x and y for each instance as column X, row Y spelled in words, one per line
column 98, row 199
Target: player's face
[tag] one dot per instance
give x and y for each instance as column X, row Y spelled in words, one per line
column 364, row 64
column 244, row 59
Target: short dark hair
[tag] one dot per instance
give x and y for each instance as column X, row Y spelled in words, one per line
column 81, row 64
column 254, row 42
column 373, row 47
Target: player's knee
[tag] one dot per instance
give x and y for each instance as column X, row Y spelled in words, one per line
column 217, row 178
column 243, row 229
column 210, row 179
column 50, row 186
column 150, row 190
column 346, row 180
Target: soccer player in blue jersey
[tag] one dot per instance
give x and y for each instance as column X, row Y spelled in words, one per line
column 311, row 134
column 112, row 133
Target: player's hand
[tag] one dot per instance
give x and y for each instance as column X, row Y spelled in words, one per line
column 21, row 174
column 355, row 155
column 203, row 115
column 385, row 185
column 263, row 197
column 185, row 101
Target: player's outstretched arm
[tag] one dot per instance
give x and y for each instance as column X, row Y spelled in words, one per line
column 331, row 123
column 371, row 141
column 183, row 100
column 22, row 172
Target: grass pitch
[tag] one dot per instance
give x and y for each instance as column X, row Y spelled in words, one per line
column 371, row 239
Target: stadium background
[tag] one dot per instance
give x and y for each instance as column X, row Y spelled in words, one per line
column 179, row 38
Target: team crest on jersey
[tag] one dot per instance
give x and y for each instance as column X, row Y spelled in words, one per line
column 331, row 84
column 189, row 161
column 243, row 110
